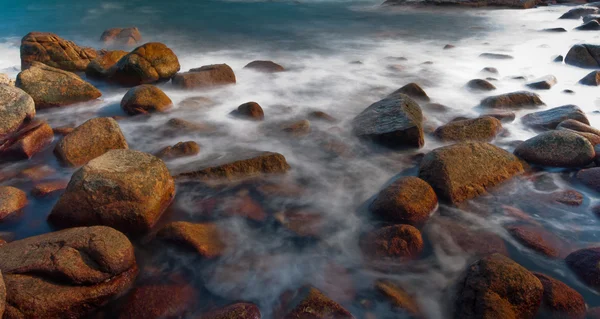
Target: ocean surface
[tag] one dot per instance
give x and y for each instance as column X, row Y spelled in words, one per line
column 341, row 56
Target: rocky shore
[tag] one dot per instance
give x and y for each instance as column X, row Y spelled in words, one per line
column 163, row 233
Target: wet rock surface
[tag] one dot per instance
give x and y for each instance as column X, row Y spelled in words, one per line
column 121, row 36
column 584, row 56
column 144, row 99
column 514, row 100
column 550, row 119
column 16, row 108
column 11, row 201
column 557, row 149
column 264, row 66
column 203, row 238
column 480, row 129
column 205, row 77
column 52, row 50
column 150, row 63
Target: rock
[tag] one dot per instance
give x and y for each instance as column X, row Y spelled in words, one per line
column 181, row 149
column 593, row 313
column 578, row 12
column 549, row 119
column 303, row 223
column 586, row 131
column 497, row 287
column 101, row 66
column 12, row 200
column 480, row 129
column 480, row 85
column 496, row 56
column 399, row 298
column 47, row 189
column 27, row 141
column 159, row 301
column 465, row 170
column 559, row 59
column 150, row 63
column 589, row 26
column 568, row 197
column 240, row 310
column 51, row 87
column 16, row 108
column 37, row 173
column 144, row 99
column 322, row 116
column 592, row 79
column 205, row 77
column 197, row 102
column 121, row 37
column 590, row 178
column 396, row 122
column 584, row 56
column 544, row 83
column 397, row 242
column 517, row 4
column 449, row 46
column 537, row 239
column 503, row 116
column 559, row 300
column 296, row 128
column 413, row 90
column 514, row 100
column 555, row 30
column 238, row 165
column 63, row 130
column 408, row 200
column 90, row 140
column 5, row 80
column 203, row 238
column 591, row 17
column 52, row 50
column 250, row 111
column 66, row 274
column 490, row 70
column 308, row 302
column 265, row 66
column 124, row 189
column 557, row 149
column 183, row 126
column 585, row 263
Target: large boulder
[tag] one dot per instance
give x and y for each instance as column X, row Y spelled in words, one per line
column 514, row 100
column 205, row 77
column 560, row 301
column 52, row 50
column 409, row 200
column 397, row 242
column 121, row 36
column 144, row 99
column 578, row 12
column 592, row 79
column 203, row 238
column 497, row 287
column 150, row 63
column 159, row 301
column 124, row 189
column 557, row 149
column 51, row 87
column 264, row 66
column 549, row 119
column 465, row 170
column 90, row 140
column 12, row 200
column 242, row 164
column 584, row 56
column 483, row 128
column 101, row 66
column 396, row 121
column 585, row 263
column 29, row 140
column 16, row 107
column 592, row 134
column 309, row 302
column 414, row 91
column 66, row 274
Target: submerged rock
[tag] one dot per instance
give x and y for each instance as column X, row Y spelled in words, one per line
column 205, row 77
column 47, row 189
column 514, row 100
column 585, row 263
column 308, row 302
column 578, row 12
column 181, row 149
column 395, row 122
column 203, row 238
column 465, row 170
column 159, row 301
column 413, row 90
column 550, row 119
column 592, row 79
column 584, row 56
column 52, row 50
column 408, row 200
column 124, row 189
column 121, row 36
column 51, row 87
column 480, row 129
column 480, row 85
column 589, row 26
column 555, row 30
column 144, row 99
column 250, row 110
column 557, row 149
column 12, row 200
column 560, row 301
column 102, row 66
column 240, row 310
column 397, row 242
column 66, row 274
column 399, row 298
column 496, row 56
column 545, row 83
column 537, row 239
column 29, row 140
column 16, row 108
column 495, row 286
column 150, row 63
column 265, row 66
column 90, row 140
column 503, row 116
column 590, row 177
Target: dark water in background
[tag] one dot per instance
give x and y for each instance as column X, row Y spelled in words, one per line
column 316, row 41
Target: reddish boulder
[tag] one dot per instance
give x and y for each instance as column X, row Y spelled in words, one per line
column 205, row 77
column 181, row 149
column 144, row 99
column 16, row 108
column 150, row 63
column 27, row 141
column 560, row 301
column 101, row 66
column 557, row 149
column 585, row 263
column 482, row 129
column 538, row 239
column 204, row 238
column 399, row 298
column 46, row 189
column 250, row 111
column 514, row 100
column 52, row 50
column 414, row 91
column 12, row 200
column 308, row 302
column 159, row 301
column 265, row 66
column 398, row 242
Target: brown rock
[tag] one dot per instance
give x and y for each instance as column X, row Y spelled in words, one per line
column 16, row 108
column 90, row 140
column 66, row 274
column 482, row 129
column 101, row 66
column 497, row 287
column 124, row 189
column 26, row 142
column 585, row 263
column 144, row 99
column 398, row 242
column 265, row 66
column 203, row 238
column 121, row 36
column 237, row 165
column 190, row 127
column 150, row 63
column 303, row 223
column 37, row 172
column 205, row 77
column 296, row 128
column 240, row 310
column 62, row 130
column 159, row 301
column 514, row 100
column 409, row 200
column 414, row 91
column 51, row 87
column 197, row 102
column 568, row 197
column 504, row 117
column 465, row 170
column 319, row 115
column 399, row 298
column 52, row 50
column 308, row 302
column 544, row 83
column 250, row 111
column 181, row 149
column 12, row 200
column 538, row 239
column 560, row 301
column 480, row 85
column 46, row 189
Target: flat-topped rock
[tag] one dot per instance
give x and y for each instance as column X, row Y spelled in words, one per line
column 150, row 63
column 52, row 50
column 549, row 119
column 513, row 100
column 544, row 83
column 560, row 300
column 578, row 12
column 159, row 301
column 309, row 302
column 205, row 77
column 496, row 56
column 483, row 128
column 264, row 66
column 29, row 140
column 203, row 238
